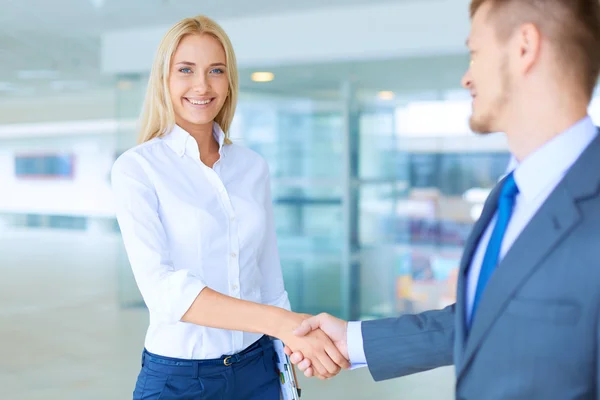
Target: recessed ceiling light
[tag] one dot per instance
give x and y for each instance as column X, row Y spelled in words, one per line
column 97, row 3
column 124, row 84
column 262, row 76
column 386, row 95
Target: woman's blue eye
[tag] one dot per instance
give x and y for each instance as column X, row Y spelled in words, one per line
column 217, row 71
column 185, row 70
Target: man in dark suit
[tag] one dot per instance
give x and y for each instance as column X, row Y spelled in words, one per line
column 526, row 323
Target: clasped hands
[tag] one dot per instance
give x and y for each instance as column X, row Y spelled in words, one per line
column 318, row 346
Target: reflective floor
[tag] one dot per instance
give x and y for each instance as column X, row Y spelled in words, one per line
column 63, row 335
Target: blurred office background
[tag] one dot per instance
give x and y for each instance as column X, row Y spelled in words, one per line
column 356, row 105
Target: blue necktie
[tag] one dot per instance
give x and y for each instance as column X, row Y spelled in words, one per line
column 506, row 203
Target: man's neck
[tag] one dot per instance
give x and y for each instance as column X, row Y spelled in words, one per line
column 536, row 124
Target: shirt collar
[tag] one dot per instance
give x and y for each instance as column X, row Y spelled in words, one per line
column 551, row 161
column 183, row 143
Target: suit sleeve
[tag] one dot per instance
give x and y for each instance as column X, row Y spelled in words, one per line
column 396, row 347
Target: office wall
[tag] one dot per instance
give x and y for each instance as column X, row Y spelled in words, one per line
column 84, row 194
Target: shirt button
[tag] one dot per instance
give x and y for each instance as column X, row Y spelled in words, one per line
column 233, row 255
column 232, row 219
column 234, row 287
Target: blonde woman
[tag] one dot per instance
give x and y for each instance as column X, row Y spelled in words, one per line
column 196, row 218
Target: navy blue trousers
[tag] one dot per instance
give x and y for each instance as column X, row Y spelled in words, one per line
column 249, row 375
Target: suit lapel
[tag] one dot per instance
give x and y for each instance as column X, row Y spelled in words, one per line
column 489, row 209
column 553, row 221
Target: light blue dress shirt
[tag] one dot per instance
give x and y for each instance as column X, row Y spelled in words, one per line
column 536, row 177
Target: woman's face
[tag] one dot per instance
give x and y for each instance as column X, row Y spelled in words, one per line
column 198, row 80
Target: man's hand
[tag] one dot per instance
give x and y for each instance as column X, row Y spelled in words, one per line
column 333, row 327
column 326, row 360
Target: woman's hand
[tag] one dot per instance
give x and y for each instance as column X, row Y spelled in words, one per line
column 316, row 346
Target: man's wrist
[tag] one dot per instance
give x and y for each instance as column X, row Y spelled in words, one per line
column 354, row 341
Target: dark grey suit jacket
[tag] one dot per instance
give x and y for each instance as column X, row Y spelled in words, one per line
column 537, row 332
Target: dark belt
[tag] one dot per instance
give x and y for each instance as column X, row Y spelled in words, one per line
column 183, row 367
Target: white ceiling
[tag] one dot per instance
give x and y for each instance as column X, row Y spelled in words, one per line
column 82, row 17
column 50, row 46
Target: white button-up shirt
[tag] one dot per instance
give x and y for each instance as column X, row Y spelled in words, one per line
column 186, row 226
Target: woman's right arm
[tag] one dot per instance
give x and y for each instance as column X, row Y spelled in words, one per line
column 167, row 291
column 216, row 310
column 179, row 294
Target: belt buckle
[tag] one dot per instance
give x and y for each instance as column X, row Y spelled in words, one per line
column 226, row 361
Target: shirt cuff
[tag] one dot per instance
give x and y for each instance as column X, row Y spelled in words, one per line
column 354, row 340
column 183, row 302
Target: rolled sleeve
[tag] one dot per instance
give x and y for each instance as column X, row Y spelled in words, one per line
column 167, row 291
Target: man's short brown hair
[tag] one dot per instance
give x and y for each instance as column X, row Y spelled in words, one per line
column 573, row 26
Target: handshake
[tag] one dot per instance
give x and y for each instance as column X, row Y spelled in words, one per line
column 318, row 345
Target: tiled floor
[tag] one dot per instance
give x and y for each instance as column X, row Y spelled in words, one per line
column 63, row 336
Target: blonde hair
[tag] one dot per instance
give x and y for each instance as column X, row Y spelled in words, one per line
column 158, row 117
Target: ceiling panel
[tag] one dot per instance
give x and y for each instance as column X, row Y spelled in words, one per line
column 404, row 75
column 95, row 16
column 54, row 46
